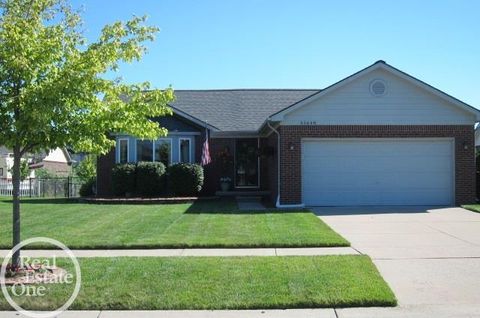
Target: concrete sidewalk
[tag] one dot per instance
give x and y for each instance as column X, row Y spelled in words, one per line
column 420, row 311
column 193, row 252
column 289, row 313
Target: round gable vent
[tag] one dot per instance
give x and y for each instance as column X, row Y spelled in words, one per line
column 378, row 87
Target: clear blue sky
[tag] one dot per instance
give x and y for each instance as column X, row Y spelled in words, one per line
column 206, row 44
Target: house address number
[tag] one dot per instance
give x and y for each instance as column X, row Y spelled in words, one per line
column 308, row 122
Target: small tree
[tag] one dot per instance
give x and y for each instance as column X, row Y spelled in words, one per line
column 42, row 173
column 24, row 170
column 86, row 170
column 52, row 89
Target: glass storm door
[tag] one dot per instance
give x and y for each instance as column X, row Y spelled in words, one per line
column 246, row 163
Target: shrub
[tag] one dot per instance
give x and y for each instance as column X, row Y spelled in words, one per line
column 185, row 179
column 123, row 179
column 87, row 188
column 86, row 169
column 150, row 178
column 42, row 173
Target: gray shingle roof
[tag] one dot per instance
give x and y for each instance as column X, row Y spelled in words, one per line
column 237, row 109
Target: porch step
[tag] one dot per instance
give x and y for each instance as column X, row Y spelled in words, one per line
column 250, row 203
column 242, row 193
column 249, row 198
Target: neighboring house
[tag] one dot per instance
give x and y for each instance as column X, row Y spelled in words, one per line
column 377, row 137
column 6, row 164
column 56, row 161
column 76, row 157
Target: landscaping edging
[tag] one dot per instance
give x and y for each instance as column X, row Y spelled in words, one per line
column 145, row 200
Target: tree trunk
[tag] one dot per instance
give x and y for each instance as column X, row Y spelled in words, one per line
column 16, row 202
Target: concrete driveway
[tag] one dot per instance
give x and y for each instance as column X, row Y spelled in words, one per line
column 429, row 256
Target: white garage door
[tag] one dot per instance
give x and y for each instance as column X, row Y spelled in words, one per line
column 338, row 172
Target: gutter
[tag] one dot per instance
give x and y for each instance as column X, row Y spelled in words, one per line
column 278, row 205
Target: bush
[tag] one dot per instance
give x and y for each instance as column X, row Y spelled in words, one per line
column 185, row 179
column 123, row 179
column 86, row 169
column 43, row 173
column 87, row 188
column 150, row 178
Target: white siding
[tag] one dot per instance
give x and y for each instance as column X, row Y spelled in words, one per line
column 377, row 172
column 56, row 155
column 403, row 104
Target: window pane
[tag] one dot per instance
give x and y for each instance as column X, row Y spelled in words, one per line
column 144, row 150
column 184, row 150
column 163, row 150
column 123, row 158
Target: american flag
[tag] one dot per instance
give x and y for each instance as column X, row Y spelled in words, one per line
column 206, row 151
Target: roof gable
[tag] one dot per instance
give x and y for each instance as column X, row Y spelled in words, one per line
column 421, row 89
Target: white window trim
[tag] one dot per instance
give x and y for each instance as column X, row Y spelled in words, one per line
column 119, row 141
column 171, row 148
column 189, row 149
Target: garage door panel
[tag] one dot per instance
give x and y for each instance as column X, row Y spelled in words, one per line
column 352, row 149
column 413, row 179
column 388, row 164
column 376, row 172
column 335, row 198
column 374, row 185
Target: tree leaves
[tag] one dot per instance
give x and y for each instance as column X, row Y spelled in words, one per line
column 52, row 87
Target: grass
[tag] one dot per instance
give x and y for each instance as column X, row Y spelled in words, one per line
column 472, row 207
column 220, row 283
column 203, row 224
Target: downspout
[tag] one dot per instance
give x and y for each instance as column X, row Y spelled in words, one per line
column 278, row 205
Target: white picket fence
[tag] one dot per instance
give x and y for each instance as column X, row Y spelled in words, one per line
column 27, row 188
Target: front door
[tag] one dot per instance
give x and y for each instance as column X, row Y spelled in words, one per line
column 246, row 163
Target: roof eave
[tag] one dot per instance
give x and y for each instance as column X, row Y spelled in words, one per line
column 235, row 134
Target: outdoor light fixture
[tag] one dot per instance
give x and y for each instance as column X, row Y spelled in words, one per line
column 465, row 146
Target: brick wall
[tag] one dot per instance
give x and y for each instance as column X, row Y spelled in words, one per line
column 290, row 176
column 268, row 166
column 58, row 168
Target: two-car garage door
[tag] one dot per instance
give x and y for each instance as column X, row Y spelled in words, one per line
column 339, row 172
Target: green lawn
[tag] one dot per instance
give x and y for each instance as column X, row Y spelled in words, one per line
column 203, row 224
column 221, row 283
column 472, row 207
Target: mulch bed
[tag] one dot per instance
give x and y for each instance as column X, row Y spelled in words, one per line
column 40, row 275
column 162, row 200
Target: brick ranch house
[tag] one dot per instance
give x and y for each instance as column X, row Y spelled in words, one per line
column 377, row 137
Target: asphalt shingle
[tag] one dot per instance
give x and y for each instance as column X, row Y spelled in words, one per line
column 237, row 109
